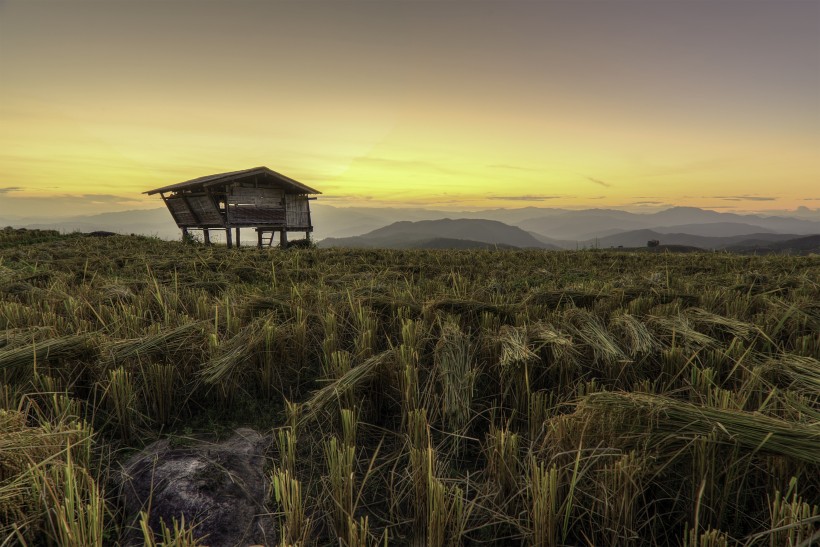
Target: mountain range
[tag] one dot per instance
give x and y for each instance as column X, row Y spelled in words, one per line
column 468, row 233
column 430, row 233
column 529, row 227
column 150, row 222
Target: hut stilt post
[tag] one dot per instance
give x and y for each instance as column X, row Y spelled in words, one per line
column 228, row 236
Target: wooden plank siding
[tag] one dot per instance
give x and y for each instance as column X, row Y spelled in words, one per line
column 194, row 210
column 180, row 211
column 205, row 210
column 298, row 212
column 243, row 215
column 252, row 206
column 259, row 197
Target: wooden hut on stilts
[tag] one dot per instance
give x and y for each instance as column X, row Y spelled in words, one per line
column 257, row 198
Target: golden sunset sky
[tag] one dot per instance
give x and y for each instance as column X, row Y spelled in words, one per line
column 441, row 104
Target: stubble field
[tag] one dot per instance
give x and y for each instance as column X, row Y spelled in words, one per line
column 443, row 398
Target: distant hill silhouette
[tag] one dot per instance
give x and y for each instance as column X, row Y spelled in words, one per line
column 591, row 223
column 447, row 243
column 581, row 225
column 151, row 222
column 670, row 249
column 799, row 245
column 423, row 233
column 714, row 229
column 639, row 238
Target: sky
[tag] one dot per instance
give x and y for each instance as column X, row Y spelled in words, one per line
column 438, row 104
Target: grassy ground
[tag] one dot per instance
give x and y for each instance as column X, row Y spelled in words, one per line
column 547, row 398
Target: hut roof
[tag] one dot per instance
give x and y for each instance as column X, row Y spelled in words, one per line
column 219, row 178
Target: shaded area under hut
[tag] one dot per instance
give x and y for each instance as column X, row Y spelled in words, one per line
column 257, row 198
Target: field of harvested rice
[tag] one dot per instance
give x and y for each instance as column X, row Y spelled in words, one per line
column 418, row 397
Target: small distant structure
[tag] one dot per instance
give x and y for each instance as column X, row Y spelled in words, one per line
column 257, row 198
column 653, row 243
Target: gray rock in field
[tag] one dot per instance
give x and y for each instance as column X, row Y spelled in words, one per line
column 220, row 487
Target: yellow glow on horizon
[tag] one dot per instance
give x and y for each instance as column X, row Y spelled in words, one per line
column 409, row 155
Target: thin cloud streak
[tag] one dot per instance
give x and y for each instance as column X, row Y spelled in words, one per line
column 746, row 198
column 107, row 197
column 346, row 198
column 525, row 198
column 97, row 198
column 599, row 182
